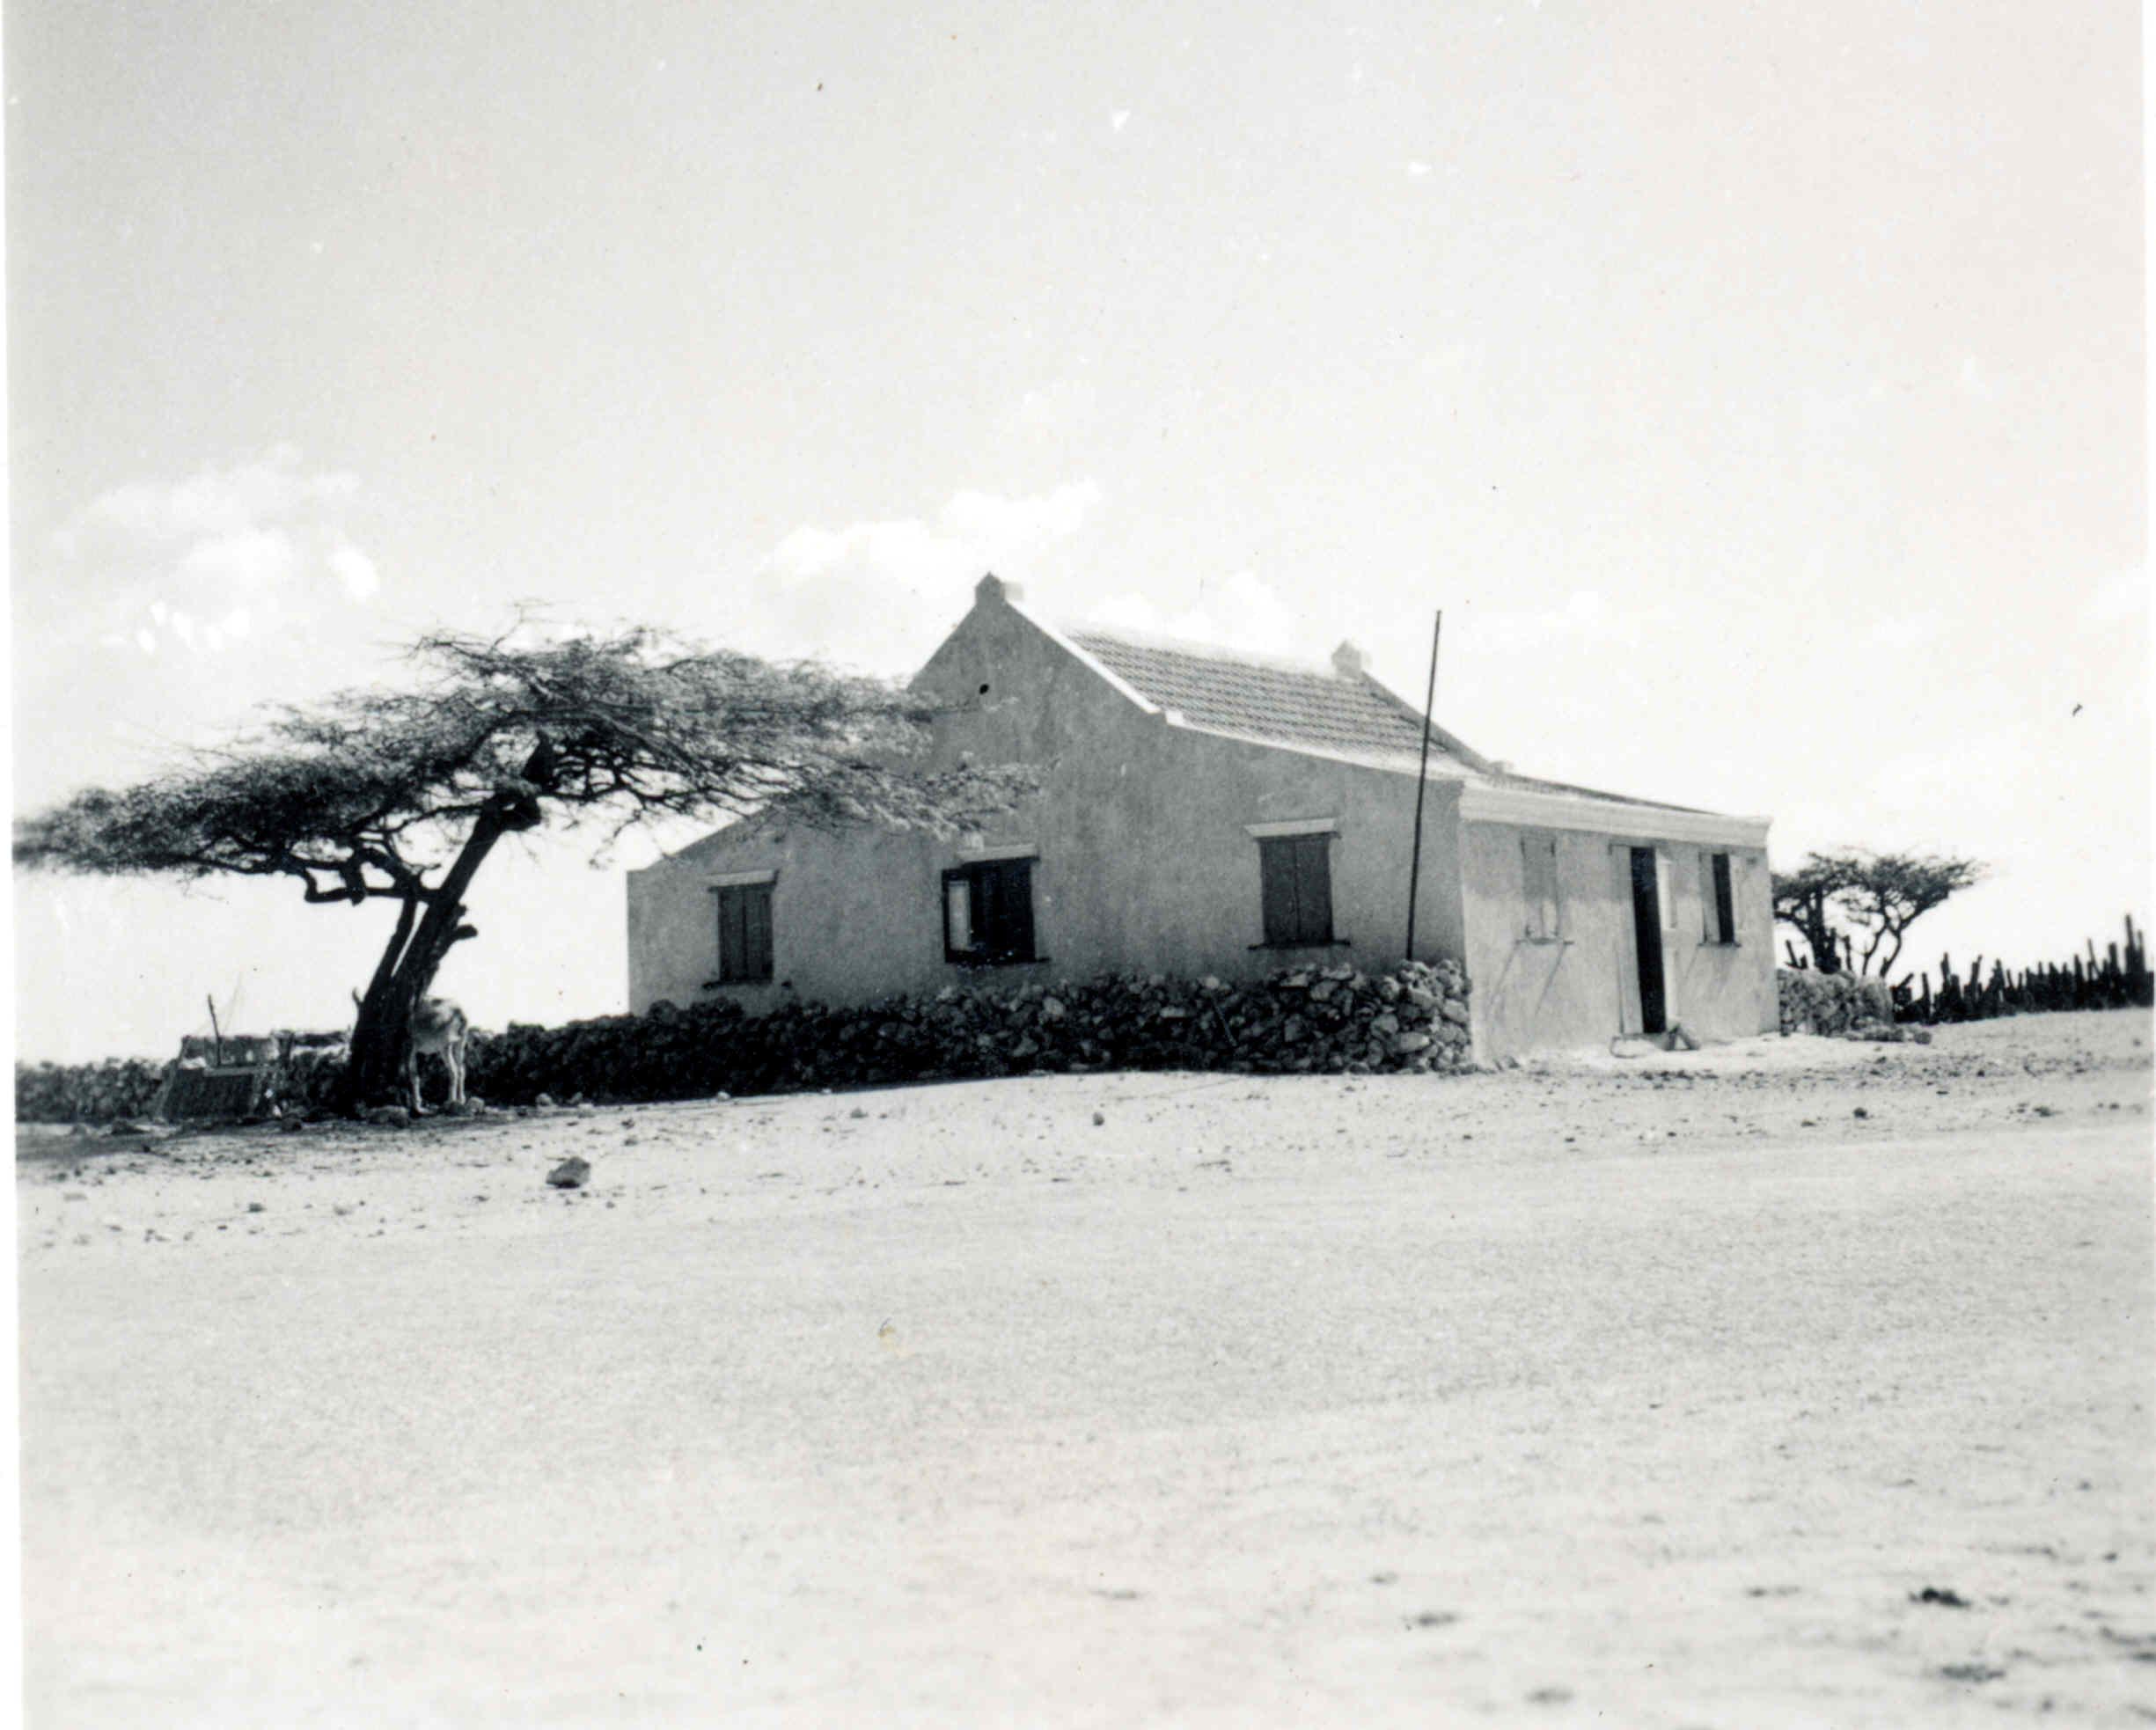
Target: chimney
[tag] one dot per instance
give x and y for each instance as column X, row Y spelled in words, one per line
column 992, row 588
column 1348, row 661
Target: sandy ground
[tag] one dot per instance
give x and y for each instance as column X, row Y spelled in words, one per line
column 1656, row 1393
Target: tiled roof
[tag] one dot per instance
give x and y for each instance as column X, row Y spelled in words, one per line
column 1275, row 702
column 1266, row 701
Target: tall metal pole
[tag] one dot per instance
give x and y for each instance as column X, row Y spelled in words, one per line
column 1429, row 703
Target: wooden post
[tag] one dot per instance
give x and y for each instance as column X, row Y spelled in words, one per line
column 215, row 1037
column 1422, row 772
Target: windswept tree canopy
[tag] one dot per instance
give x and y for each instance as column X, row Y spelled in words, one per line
column 1887, row 892
column 404, row 792
column 1843, row 898
column 368, row 792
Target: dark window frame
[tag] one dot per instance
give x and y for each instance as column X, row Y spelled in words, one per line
column 1295, row 875
column 1720, row 897
column 744, row 910
column 999, row 913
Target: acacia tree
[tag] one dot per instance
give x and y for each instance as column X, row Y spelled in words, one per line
column 1875, row 895
column 403, row 793
column 1803, row 897
column 1887, row 892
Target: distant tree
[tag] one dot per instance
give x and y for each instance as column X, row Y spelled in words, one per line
column 1887, row 892
column 402, row 793
column 1804, row 898
column 1841, row 899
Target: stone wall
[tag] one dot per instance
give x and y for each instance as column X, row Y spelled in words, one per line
column 1334, row 1019
column 1327, row 1020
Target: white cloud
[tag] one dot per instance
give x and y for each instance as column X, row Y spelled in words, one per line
column 243, row 560
column 215, row 503
column 355, row 570
column 1238, row 611
column 879, row 594
column 208, row 559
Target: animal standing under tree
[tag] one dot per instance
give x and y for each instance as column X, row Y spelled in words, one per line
column 438, row 1029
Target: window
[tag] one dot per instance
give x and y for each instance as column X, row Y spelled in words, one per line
column 744, row 933
column 1717, row 900
column 1538, row 861
column 1295, row 881
column 988, row 912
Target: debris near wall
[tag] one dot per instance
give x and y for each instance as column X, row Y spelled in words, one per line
column 1325, row 1019
column 299, row 1073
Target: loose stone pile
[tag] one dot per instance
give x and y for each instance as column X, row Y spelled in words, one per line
column 59, row 1093
column 1841, row 1005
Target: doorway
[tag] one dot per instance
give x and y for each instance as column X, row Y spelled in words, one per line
column 1647, row 940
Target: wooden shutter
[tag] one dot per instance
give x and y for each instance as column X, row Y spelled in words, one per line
column 993, row 916
column 730, row 938
column 756, row 932
column 1538, row 856
column 1276, row 867
column 1017, row 876
column 1295, row 882
column 1314, row 888
column 744, row 932
column 1666, row 886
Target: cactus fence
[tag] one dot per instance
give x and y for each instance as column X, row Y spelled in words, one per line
column 2118, row 979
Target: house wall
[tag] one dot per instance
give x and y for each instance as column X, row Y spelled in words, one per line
column 834, row 916
column 1582, row 989
column 1144, row 863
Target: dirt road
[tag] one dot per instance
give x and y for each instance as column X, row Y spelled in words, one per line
column 1659, row 1394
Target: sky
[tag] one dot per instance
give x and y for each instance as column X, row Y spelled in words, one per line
column 1761, row 394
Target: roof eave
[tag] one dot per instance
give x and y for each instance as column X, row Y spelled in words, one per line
column 1438, row 771
column 1481, row 803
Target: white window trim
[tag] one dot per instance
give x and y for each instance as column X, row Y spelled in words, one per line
column 1294, row 826
column 739, row 879
column 979, row 853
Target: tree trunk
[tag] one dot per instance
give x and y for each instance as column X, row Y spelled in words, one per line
column 379, row 1037
column 1826, row 952
column 382, row 1037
